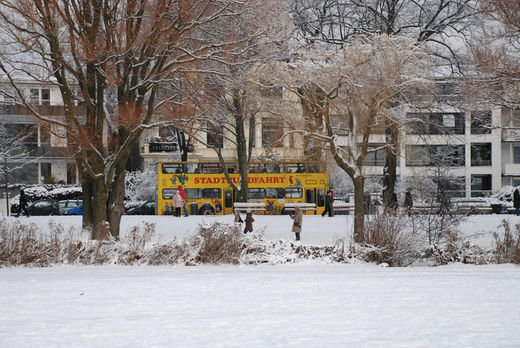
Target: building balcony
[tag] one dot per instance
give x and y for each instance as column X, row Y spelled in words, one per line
column 511, row 169
column 46, row 110
column 511, row 135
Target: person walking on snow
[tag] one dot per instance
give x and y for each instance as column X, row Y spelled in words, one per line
column 238, row 219
column 297, row 223
column 177, row 204
column 516, row 201
column 328, row 204
column 249, row 222
column 23, row 204
column 183, row 196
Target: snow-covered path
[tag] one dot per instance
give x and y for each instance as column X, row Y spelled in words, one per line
column 297, row 305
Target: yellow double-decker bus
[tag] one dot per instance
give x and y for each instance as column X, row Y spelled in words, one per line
column 274, row 184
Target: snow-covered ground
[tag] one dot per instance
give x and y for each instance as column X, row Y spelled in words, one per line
column 317, row 230
column 299, row 305
column 309, row 304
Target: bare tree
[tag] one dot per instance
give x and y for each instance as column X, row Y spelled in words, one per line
column 228, row 101
column 439, row 26
column 495, row 55
column 14, row 155
column 112, row 56
column 352, row 92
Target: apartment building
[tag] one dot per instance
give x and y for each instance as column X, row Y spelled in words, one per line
column 48, row 160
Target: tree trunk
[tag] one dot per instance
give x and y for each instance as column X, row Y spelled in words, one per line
column 359, row 209
column 116, row 197
column 390, row 169
column 243, row 162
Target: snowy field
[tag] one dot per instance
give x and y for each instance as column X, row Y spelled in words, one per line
column 309, row 304
column 317, row 230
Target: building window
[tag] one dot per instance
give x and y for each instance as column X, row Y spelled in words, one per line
column 46, row 96
column 272, row 132
column 481, row 154
column 436, row 123
column 34, row 96
column 71, row 173
column 481, row 122
column 480, row 185
column 375, row 157
column 215, row 137
column 435, row 155
column 516, row 154
column 45, row 173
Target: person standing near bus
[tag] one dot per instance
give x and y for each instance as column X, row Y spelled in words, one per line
column 249, row 222
column 328, row 208
column 183, row 196
column 177, row 204
column 331, row 202
column 297, row 223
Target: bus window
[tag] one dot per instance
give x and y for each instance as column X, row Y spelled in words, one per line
column 193, row 193
column 274, row 192
column 312, row 168
column 272, row 167
column 228, row 199
column 171, row 168
column 294, row 167
column 257, row 168
column 212, row 193
column 321, row 198
column 309, row 196
column 256, row 193
column 168, row 193
column 293, row 192
column 232, row 168
column 211, row 168
column 192, row 168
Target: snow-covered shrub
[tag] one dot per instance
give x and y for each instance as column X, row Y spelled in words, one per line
column 388, row 239
column 137, row 241
column 219, row 243
column 21, row 244
column 437, row 228
column 508, row 247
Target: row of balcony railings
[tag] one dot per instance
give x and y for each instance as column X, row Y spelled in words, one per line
column 46, row 110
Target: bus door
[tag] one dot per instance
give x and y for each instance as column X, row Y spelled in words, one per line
column 320, row 200
column 228, row 201
column 310, row 197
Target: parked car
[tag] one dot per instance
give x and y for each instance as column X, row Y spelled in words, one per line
column 147, row 208
column 43, row 207
column 75, row 211
column 67, row 204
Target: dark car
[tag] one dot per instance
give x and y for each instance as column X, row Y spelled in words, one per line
column 147, row 208
column 75, row 211
column 44, row 207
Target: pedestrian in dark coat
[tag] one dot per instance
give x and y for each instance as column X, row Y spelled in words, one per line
column 297, row 223
column 408, row 200
column 328, row 205
column 22, row 204
column 516, row 201
column 249, row 222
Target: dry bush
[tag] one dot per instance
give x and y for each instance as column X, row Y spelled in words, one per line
column 388, row 239
column 20, row 245
column 137, row 242
column 439, row 228
column 508, row 248
column 219, row 243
